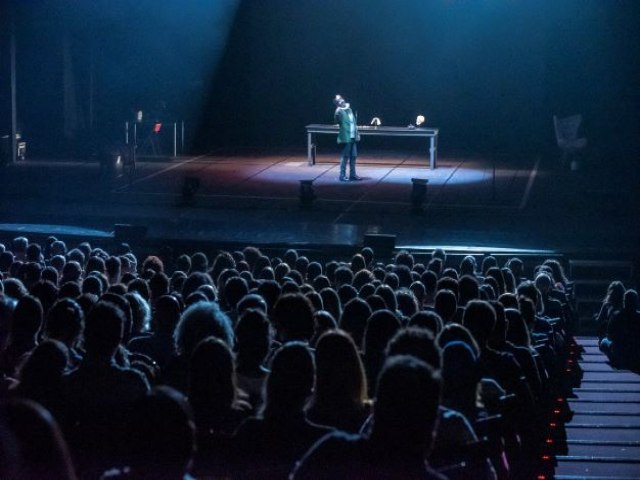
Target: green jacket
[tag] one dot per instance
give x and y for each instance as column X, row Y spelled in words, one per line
column 341, row 117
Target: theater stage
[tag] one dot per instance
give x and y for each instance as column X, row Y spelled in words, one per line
column 252, row 197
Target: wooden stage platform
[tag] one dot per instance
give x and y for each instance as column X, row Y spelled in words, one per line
column 253, row 197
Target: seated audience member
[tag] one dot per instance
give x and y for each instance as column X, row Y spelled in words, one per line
column 160, row 345
column 461, row 377
column 197, row 322
column 39, row 449
column 427, row 319
column 446, row 305
column 161, row 438
column 41, row 376
column 215, row 401
column 498, row 341
column 623, row 334
column 402, row 432
column 381, row 327
column 269, row 445
column 453, row 429
column 323, row 322
column 98, row 396
column 613, row 302
column 23, row 335
column 339, row 398
column 253, row 341
column 293, row 318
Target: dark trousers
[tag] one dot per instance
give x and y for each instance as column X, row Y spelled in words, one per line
column 349, row 153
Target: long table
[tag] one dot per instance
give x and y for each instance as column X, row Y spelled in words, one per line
column 431, row 133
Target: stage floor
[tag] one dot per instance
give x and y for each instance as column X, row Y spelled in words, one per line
column 253, row 198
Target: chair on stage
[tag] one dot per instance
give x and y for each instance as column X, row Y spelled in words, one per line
column 566, row 130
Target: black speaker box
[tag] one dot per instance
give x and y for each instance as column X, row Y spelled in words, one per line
column 382, row 244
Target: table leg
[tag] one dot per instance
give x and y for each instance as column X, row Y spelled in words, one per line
column 433, row 152
column 310, row 159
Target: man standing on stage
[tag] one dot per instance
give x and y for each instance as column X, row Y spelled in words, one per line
column 347, row 137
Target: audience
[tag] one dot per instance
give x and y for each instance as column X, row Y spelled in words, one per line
column 269, row 381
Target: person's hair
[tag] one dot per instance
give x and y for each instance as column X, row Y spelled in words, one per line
column 448, row 283
column 41, row 374
column 321, row 282
column 140, row 286
column 508, row 300
column 290, row 257
column 42, row 452
column 453, row 332
column 389, row 297
column 293, row 317
column 65, row 321
column 529, row 289
column 104, row 327
column 46, row 292
column 343, row 276
column 72, row 271
column 140, row 312
column 194, row 281
column 407, row 302
column 445, row 304
column 27, row 318
column 527, row 309
column 251, row 255
column 427, row 319
column 406, row 407
column 252, row 336
column 199, row 321
column 557, row 270
column 480, row 318
column 630, row 301
column 381, row 327
column 487, row 262
column 361, row 278
column 496, row 274
column 331, row 302
column 354, row 319
column 161, row 435
column 158, row 285
column 92, row 284
column 223, row 261
column 290, row 381
column 615, row 294
column 417, row 342
column 211, row 377
column 517, row 331
column 358, row 263
column 234, row 289
column 340, row 377
column 403, row 257
column 516, row 266
column 183, row 263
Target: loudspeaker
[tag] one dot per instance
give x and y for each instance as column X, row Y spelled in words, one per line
column 382, row 244
column 125, row 233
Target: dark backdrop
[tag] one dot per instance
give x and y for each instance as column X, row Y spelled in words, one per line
column 489, row 74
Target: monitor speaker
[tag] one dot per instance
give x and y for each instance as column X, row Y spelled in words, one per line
column 382, row 244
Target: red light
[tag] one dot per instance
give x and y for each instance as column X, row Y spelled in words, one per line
column 553, row 425
column 557, row 412
column 549, row 441
column 541, row 477
column 560, row 400
column 546, row 457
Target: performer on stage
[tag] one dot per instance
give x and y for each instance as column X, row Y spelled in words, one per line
column 347, row 137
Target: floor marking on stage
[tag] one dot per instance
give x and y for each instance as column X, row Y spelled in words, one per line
column 155, row 174
column 527, row 190
column 444, row 184
column 360, row 199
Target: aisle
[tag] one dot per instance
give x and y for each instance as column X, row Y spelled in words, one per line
column 603, row 431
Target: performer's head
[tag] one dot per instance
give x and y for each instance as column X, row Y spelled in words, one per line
column 339, row 101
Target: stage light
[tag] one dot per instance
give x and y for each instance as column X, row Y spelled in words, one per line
column 418, row 193
column 420, row 120
column 307, row 195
